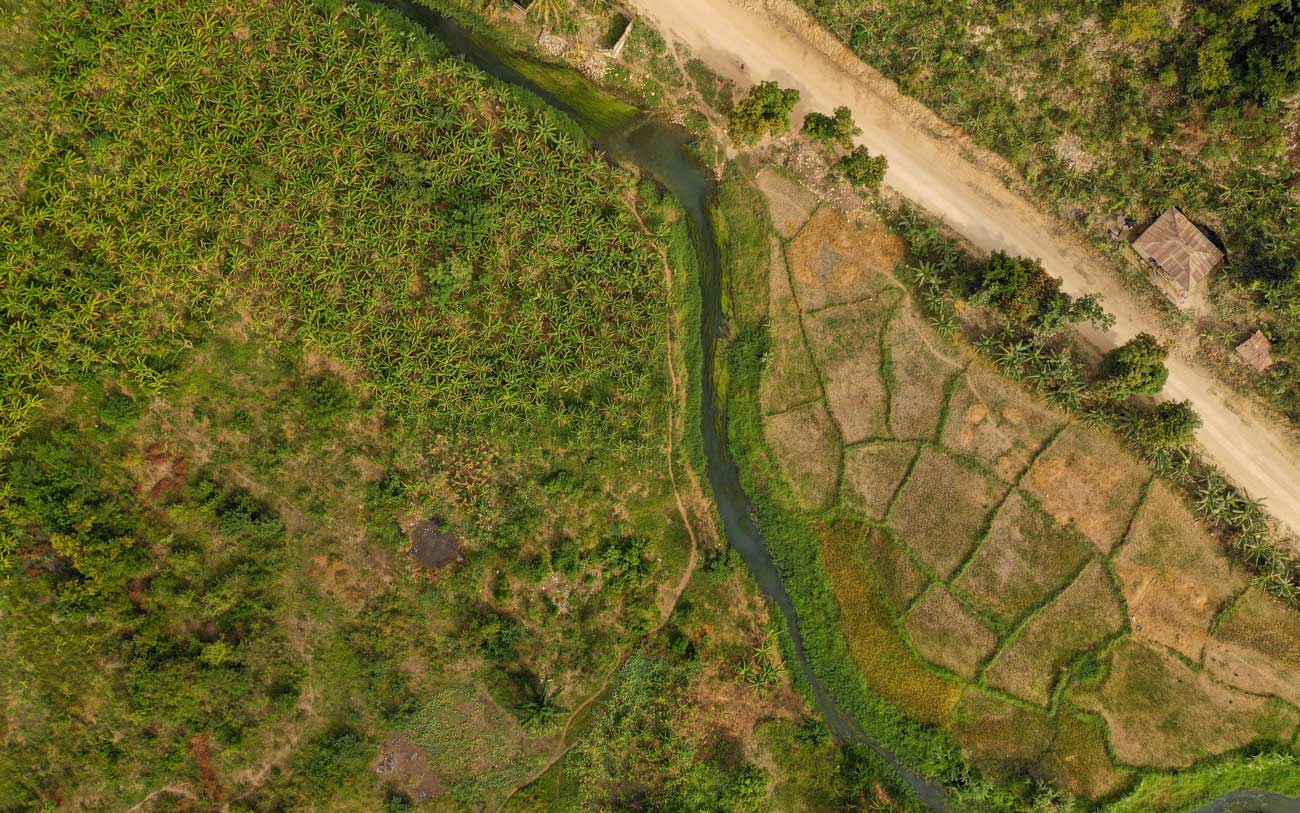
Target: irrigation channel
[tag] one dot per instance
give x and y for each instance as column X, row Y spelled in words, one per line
column 631, row 138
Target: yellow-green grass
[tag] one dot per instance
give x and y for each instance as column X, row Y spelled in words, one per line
column 1078, row 760
column 1174, row 574
column 991, row 419
column 845, row 345
column 807, row 449
column 889, row 667
column 945, row 633
column 942, row 531
column 1087, row 478
column 1162, row 713
column 790, row 378
column 998, row 736
column 1084, row 615
column 1256, row 647
column 872, row 472
column 833, row 262
column 1025, row 558
column 917, row 376
column 898, row 574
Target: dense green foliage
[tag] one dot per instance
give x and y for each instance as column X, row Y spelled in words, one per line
column 1030, row 298
column 1168, row 427
column 764, row 112
column 1126, row 107
column 838, row 130
column 864, row 170
column 1137, row 367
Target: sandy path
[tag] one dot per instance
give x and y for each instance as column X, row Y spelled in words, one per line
column 775, row 40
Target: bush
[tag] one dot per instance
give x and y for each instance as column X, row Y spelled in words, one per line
column 1031, row 299
column 330, row 759
column 1170, row 426
column 1136, row 367
column 827, row 130
column 864, row 170
column 765, row 111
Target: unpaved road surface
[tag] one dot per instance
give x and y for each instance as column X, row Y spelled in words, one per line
column 934, row 166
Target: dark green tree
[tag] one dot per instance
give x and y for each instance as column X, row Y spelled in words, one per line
column 1170, row 426
column 825, row 129
column 1136, row 367
column 765, row 111
column 863, row 169
column 1031, row 299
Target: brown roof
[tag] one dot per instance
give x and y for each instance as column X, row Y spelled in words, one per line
column 1186, row 255
column 1254, row 351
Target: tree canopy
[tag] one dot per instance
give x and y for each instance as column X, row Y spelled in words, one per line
column 765, row 111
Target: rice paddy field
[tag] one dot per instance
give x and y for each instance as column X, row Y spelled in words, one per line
column 1009, row 577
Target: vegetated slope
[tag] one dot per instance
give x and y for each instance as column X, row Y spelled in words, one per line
column 1015, row 579
column 1127, row 108
column 281, row 285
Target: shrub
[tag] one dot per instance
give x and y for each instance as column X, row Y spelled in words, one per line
column 864, row 170
column 330, row 759
column 765, row 111
column 1031, row 299
column 827, row 130
column 1136, row 367
column 1170, row 426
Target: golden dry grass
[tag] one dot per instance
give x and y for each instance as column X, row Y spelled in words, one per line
column 807, row 449
column 872, row 473
column 1087, row 478
column 1000, row 737
column 1257, row 647
column 1083, row 616
column 1026, row 557
column 1174, row 574
column 789, row 204
column 942, row 530
column 918, row 378
column 832, row 262
column 989, row 418
column 901, row 577
column 946, row 633
column 790, row 378
column 889, row 667
column 845, row 344
column 1164, row 714
column 1078, row 761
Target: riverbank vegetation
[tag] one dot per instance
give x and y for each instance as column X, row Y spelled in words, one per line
column 1113, row 109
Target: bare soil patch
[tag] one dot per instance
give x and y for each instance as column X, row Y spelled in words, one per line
column 1164, row 714
column 432, row 547
column 1026, row 557
column 807, row 449
column 989, row 418
column 917, row 378
column 1256, row 648
column 789, row 204
column 942, row 533
column 845, row 344
column 403, row 765
column 872, row 473
column 1078, row 761
column 901, row 577
column 790, row 378
column 1083, row 616
column 1088, row 479
column 946, row 633
column 1000, row 737
column 1174, row 575
column 833, row 262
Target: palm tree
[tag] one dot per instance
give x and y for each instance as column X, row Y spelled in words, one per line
column 538, row 710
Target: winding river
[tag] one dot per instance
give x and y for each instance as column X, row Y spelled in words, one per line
column 633, row 139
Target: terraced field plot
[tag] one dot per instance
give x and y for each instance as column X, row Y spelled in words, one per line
column 1018, row 579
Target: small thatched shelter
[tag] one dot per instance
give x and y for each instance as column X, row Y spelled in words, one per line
column 1180, row 255
column 1255, row 352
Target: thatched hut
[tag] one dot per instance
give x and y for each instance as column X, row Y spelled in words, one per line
column 1255, row 352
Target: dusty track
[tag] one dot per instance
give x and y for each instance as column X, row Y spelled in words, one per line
column 934, row 166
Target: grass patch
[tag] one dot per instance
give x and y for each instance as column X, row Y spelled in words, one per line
column 1254, row 647
column 917, row 378
column 845, row 345
column 789, row 203
column 1078, row 760
column 791, row 378
column 946, row 633
column 1001, row 737
column 807, row 448
column 1083, row 616
column 833, row 262
column 991, row 419
column 900, row 576
column 872, row 474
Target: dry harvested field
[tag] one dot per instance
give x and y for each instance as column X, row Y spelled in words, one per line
column 1014, row 577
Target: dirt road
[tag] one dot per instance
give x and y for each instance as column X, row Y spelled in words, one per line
column 930, row 164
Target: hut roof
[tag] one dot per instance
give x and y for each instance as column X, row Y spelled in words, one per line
column 1182, row 250
column 1254, row 351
